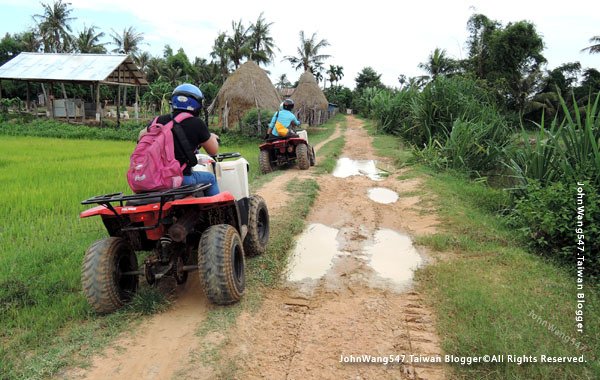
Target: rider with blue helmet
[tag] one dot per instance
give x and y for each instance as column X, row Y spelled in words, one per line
column 188, row 98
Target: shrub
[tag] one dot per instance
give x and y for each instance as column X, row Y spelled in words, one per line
column 546, row 217
column 256, row 123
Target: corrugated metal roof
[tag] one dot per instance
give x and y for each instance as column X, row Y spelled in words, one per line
column 116, row 69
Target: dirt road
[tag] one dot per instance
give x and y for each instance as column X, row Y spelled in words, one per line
column 315, row 326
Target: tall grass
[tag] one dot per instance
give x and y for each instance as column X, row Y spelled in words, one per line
column 548, row 173
column 565, row 150
column 452, row 123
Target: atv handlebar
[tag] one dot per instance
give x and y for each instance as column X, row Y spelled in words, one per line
column 225, row 156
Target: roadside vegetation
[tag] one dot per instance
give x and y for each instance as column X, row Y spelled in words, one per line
column 490, row 294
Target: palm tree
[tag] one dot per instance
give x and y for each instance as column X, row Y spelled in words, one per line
column 54, row 26
column 335, row 73
column 595, row 48
column 127, row 43
column 30, row 41
column 438, row 64
column 220, row 53
column 238, row 44
column 283, row 82
column 153, row 68
column 172, row 75
column 261, row 43
column 308, row 53
column 88, row 41
column 142, row 60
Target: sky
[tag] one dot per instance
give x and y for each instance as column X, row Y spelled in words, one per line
column 392, row 37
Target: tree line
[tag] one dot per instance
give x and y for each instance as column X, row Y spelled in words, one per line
column 53, row 33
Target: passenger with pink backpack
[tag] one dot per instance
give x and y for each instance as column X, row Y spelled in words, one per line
column 165, row 153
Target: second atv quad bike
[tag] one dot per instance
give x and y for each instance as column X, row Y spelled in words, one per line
column 277, row 151
column 183, row 231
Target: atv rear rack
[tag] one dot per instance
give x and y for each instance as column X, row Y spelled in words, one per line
column 159, row 197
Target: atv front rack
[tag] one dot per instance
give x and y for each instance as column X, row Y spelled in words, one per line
column 153, row 197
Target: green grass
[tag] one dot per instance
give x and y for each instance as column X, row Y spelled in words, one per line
column 329, row 153
column 491, row 296
column 387, row 146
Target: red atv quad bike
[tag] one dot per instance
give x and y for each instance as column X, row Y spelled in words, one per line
column 182, row 230
column 277, row 151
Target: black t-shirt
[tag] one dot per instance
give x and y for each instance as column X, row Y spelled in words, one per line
column 196, row 133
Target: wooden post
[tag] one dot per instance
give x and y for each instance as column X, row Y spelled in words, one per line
column 28, row 100
column 118, row 106
column 98, row 106
column 0, row 89
column 226, row 117
column 137, row 102
column 65, row 98
column 51, row 98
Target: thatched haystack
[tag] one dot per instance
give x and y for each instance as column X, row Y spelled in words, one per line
column 248, row 87
column 310, row 102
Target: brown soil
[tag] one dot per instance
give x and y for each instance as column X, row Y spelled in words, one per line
column 297, row 333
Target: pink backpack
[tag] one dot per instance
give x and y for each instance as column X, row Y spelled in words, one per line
column 153, row 166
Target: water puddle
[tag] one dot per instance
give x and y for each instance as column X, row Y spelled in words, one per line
column 313, row 256
column 387, row 261
column 382, row 195
column 347, row 167
column 393, row 257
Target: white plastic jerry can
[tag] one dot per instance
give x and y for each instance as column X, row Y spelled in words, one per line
column 232, row 176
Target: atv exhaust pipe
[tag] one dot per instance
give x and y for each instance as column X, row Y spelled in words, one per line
column 179, row 231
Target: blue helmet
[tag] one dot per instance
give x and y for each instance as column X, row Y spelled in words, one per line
column 187, row 97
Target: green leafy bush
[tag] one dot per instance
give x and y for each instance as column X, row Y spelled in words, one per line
column 546, row 217
column 256, row 123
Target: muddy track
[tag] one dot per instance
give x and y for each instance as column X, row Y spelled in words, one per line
column 305, row 329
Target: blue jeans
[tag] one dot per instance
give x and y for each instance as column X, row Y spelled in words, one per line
column 202, row 177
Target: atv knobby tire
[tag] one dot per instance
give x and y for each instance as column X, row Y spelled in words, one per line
column 104, row 286
column 302, row 156
column 312, row 157
column 264, row 162
column 255, row 242
column 221, row 264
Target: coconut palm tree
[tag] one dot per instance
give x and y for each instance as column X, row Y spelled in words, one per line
column 30, row 40
column 308, row 53
column 438, row 64
column 335, row 73
column 238, row 44
column 220, row 53
column 283, row 82
column 128, row 42
column 88, row 41
column 261, row 43
column 141, row 60
column 595, row 48
column 54, row 26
